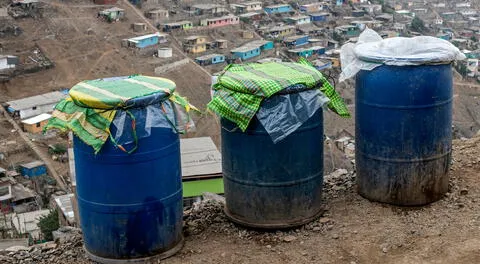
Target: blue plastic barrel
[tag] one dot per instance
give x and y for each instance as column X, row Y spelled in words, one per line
column 130, row 206
column 271, row 185
column 403, row 133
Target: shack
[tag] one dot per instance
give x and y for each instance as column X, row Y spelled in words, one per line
column 220, row 21
column 33, row 169
column 298, row 20
column 245, row 52
column 35, row 124
column 250, row 17
column 300, row 52
column 35, row 105
column 319, row 17
column 177, row 26
column 112, row 14
column 296, row 41
column 195, row 44
column 245, row 7
column 157, row 14
column 313, row 7
column 278, row 31
column 147, row 40
column 8, row 62
column 278, row 9
column 210, row 59
column 27, row 223
column 208, row 9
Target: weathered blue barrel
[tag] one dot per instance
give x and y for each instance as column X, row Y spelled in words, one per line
column 271, row 185
column 403, row 133
column 131, row 205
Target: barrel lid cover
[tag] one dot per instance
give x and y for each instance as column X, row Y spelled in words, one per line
column 408, row 51
column 122, row 92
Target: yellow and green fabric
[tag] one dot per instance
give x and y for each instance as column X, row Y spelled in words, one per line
column 241, row 88
column 92, row 105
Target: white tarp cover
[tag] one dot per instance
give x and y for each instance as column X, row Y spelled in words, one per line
column 372, row 51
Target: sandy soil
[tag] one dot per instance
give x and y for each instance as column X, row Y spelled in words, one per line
column 355, row 230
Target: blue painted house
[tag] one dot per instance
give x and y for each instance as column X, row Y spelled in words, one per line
column 319, row 50
column 210, row 59
column 301, row 52
column 33, row 169
column 262, row 44
column 318, row 17
column 245, row 52
column 252, row 49
column 295, row 41
column 278, row 9
column 147, row 40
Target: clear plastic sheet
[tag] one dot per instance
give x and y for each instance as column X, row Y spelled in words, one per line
column 282, row 114
column 146, row 118
column 372, row 51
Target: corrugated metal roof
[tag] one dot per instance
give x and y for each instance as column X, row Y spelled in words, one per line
column 200, row 157
column 209, row 56
column 33, row 101
column 64, row 202
column 37, row 119
column 32, row 164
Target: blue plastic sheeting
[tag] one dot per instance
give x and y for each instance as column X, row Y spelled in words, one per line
column 284, row 113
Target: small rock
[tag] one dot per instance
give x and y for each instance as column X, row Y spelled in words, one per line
column 316, row 229
column 464, row 191
column 269, row 246
column 223, row 254
column 324, row 220
column 289, row 238
column 335, row 236
column 304, row 253
column 384, row 250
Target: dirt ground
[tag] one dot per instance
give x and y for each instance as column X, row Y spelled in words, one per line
column 355, row 230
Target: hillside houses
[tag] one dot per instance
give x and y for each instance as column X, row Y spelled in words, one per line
column 195, row 44
column 112, row 14
column 220, row 21
column 177, row 26
column 8, row 62
column 209, row 9
column 145, row 41
column 210, row 59
column 298, row 20
column 247, row 7
column 313, row 7
column 251, row 49
column 278, row 9
column 34, row 105
column 277, row 31
column 157, row 14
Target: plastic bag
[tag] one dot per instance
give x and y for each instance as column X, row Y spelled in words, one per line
column 281, row 115
column 372, row 51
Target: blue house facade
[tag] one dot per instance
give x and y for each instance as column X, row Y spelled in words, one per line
column 210, row 59
column 245, row 53
column 277, row 9
column 295, row 41
column 145, row 41
column 33, row 169
column 319, row 17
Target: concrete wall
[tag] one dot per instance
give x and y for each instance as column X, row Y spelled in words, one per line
column 171, row 66
column 41, row 109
